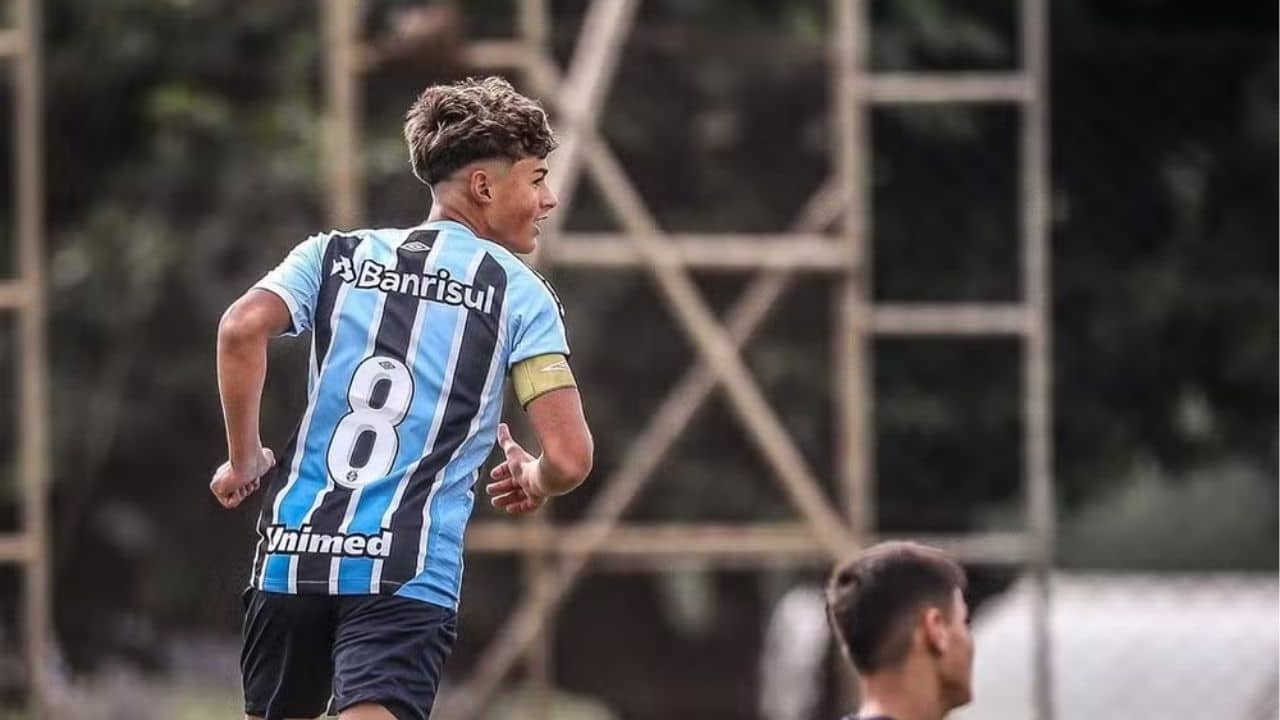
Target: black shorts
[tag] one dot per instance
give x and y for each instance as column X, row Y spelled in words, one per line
column 302, row 650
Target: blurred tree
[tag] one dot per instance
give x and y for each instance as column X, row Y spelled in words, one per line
column 182, row 162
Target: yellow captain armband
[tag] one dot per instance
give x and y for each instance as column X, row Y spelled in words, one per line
column 539, row 375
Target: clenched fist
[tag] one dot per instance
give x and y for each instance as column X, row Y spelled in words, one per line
column 231, row 486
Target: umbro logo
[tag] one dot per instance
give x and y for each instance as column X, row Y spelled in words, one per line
column 414, row 246
column 557, row 366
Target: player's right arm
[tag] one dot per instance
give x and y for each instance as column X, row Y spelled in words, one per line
column 283, row 302
column 246, row 328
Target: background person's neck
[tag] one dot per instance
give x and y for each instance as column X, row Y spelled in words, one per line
column 901, row 696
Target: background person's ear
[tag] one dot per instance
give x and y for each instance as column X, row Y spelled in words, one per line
column 935, row 630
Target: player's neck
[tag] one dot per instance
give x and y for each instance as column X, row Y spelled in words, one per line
column 902, row 695
column 473, row 220
column 449, row 202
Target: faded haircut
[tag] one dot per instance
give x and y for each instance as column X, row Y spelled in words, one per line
column 872, row 599
column 452, row 125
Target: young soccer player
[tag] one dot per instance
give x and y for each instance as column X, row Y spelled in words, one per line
column 900, row 613
column 356, row 576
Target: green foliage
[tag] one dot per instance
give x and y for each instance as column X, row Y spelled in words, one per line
column 1215, row 518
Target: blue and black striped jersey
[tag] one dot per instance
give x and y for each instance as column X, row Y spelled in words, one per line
column 413, row 331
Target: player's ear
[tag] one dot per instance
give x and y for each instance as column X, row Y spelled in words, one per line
column 481, row 186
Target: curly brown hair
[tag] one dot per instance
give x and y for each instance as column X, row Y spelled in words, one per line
column 455, row 124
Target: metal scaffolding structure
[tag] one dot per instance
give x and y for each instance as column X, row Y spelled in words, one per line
column 24, row 296
column 556, row 555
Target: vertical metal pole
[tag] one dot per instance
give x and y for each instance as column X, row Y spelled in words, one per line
column 539, row 663
column 853, row 363
column 1037, row 377
column 342, row 119
column 534, row 24
column 34, row 394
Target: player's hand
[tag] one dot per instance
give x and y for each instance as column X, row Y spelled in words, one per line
column 517, row 488
column 231, row 486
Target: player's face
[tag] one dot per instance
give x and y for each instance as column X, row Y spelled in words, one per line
column 522, row 199
column 956, row 663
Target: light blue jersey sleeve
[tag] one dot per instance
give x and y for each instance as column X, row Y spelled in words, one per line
column 296, row 280
column 539, row 327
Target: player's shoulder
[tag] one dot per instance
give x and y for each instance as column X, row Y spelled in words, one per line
column 321, row 240
column 385, row 236
column 532, row 286
column 523, row 280
column 544, row 285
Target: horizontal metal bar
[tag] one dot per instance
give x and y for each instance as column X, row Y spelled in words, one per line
column 656, row 539
column 665, row 563
column 14, row 548
column 782, row 251
column 949, row 87
column 12, row 43
column 13, row 294
column 497, row 54
column 658, row 546
column 951, row 319
column 989, row 548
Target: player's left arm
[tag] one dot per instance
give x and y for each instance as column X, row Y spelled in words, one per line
column 546, row 389
column 246, row 328
column 522, row 482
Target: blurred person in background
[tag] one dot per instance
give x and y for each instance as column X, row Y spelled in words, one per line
column 903, row 622
column 358, row 569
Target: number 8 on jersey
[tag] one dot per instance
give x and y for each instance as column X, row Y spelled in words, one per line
column 396, row 382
